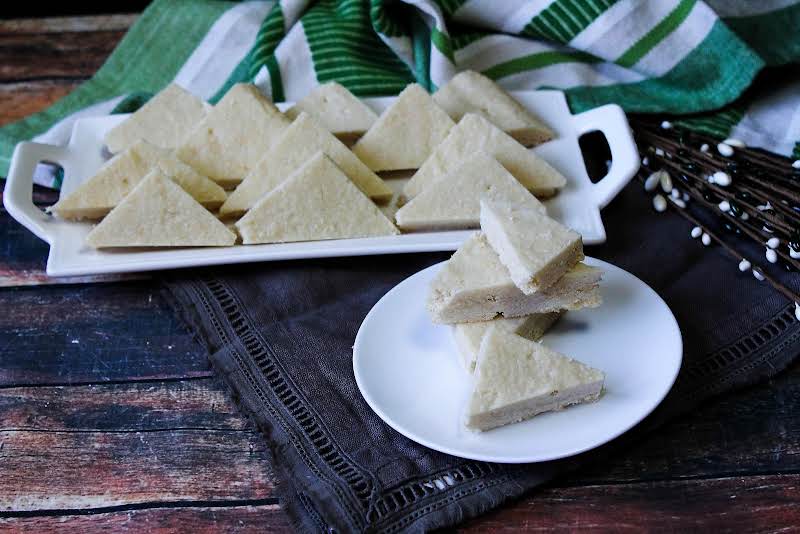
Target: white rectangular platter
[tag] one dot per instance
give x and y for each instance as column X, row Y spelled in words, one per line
column 578, row 205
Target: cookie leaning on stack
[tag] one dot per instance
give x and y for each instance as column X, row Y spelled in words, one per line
column 468, row 336
column 516, row 379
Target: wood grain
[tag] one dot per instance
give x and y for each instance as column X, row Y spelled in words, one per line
column 150, row 406
column 753, row 504
column 20, row 250
column 42, row 60
column 93, row 333
column 38, row 277
column 754, row 432
column 20, row 99
column 255, row 519
column 691, row 447
column 84, row 470
column 43, row 56
column 58, row 25
column 742, row 504
column 126, row 444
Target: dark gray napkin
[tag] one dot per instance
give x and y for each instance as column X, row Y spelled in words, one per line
column 281, row 336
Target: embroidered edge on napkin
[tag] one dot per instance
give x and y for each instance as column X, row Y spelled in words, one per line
column 259, row 386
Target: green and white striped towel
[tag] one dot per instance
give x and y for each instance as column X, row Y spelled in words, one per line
column 684, row 57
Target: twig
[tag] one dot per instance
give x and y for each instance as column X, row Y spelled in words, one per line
column 788, row 293
column 771, row 205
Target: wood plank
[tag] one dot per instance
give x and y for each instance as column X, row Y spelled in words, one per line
column 749, row 504
column 84, row 470
column 754, row 431
column 196, row 519
column 126, row 444
column 43, row 59
column 20, row 99
column 754, row 504
column 71, row 55
column 688, row 448
column 149, row 406
column 50, row 351
column 743, row 446
column 93, row 333
column 38, row 277
column 88, row 23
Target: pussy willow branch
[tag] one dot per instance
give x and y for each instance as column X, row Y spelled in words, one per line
column 749, row 158
column 742, row 181
column 726, row 194
column 689, row 166
column 747, row 228
column 787, row 292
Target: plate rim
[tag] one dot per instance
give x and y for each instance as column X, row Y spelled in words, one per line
column 375, row 407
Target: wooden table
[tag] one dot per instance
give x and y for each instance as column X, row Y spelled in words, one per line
column 110, row 417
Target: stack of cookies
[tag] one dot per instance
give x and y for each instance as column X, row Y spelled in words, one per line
column 501, row 291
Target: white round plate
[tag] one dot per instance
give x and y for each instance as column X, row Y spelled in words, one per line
column 408, row 370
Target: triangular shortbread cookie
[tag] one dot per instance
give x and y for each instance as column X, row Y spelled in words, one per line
column 474, row 133
column 228, row 143
column 299, row 142
column 158, row 213
column 454, row 200
column 337, row 110
column 535, row 249
column 516, row 379
column 165, row 120
column 475, row 286
column 316, row 202
column 95, row 197
column 405, row 134
column 471, row 92
column 468, row 336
